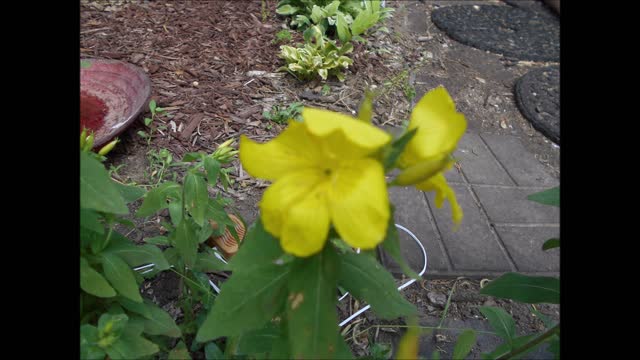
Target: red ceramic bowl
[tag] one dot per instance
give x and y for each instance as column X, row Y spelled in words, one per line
column 112, row 95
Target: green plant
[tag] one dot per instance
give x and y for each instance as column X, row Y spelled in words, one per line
column 155, row 111
column 280, row 115
column 323, row 58
column 192, row 212
column 346, row 18
column 114, row 319
column 282, row 37
column 326, row 90
column 159, row 163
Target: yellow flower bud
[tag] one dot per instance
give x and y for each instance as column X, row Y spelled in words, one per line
column 105, row 150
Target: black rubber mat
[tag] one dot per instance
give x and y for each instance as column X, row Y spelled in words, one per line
column 537, row 94
column 513, row 32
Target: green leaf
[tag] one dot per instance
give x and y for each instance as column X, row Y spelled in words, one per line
column 506, row 347
column 175, row 211
column 88, row 343
column 111, row 325
column 96, row 188
column 435, row 355
column 365, row 113
column 501, row 322
column 186, row 242
column 342, row 28
column 332, row 8
column 136, row 255
column 259, row 341
column 391, row 245
column 132, row 347
column 343, row 351
column 380, row 351
column 364, row 21
column 120, row 276
column 156, row 199
column 189, row 157
column 367, row 280
column 317, row 14
column 554, row 347
column 142, row 134
column 522, row 288
column 258, row 249
column 393, row 152
column 213, row 168
column 234, row 312
column 160, row 322
column 547, row 197
column 286, row 10
column 129, row 193
column 85, row 64
column 92, row 282
column 550, row 244
column 207, row 262
column 90, row 220
column 323, row 73
column 147, row 121
column 152, row 106
column 196, row 197
column 465, row 343
column 135, row 307
column 158, row 240
column 213, row 352
column 311, row 310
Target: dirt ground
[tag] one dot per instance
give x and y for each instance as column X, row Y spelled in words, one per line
column 199, row 55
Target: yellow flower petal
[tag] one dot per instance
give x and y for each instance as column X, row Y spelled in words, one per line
column 323, row 123
column 408, row 346
column 423, row 170
column 292, row 150
column 306, row 225
column 439, row 184
column 283, row 194
column 440, row 127
column 359, row 203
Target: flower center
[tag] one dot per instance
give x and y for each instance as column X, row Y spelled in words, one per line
column 327, row 172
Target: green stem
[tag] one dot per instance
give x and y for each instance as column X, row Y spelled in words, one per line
column 106, row 241
column 534, row 342
column 421, row 327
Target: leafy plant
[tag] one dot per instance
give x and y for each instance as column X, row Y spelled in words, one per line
column 115, row 320
column 346, row 18
column 195, row 217
column 155, row 111
column 159, row 163
column 283, row 37
column 280, row 115
column 323, row 58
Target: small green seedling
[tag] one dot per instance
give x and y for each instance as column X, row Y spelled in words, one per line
column 281, row 115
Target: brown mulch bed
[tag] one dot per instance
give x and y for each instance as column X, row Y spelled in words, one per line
column 197, row 54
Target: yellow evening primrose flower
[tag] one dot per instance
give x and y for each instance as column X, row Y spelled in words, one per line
column 428, row 154
column 323, row 174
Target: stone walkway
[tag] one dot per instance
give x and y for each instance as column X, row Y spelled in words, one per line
column 501, row 230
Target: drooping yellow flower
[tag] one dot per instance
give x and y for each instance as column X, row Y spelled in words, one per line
column 428, row 154
column 323, row 174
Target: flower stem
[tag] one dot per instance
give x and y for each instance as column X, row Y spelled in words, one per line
column 534, row 342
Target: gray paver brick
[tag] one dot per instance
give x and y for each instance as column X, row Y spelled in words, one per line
column 512, row 206
column 478, row 164
column 412, row 212
column 474, row 246
column 525, row 247
column 525, row 169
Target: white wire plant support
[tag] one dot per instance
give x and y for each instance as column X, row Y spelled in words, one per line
column 149, row 267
